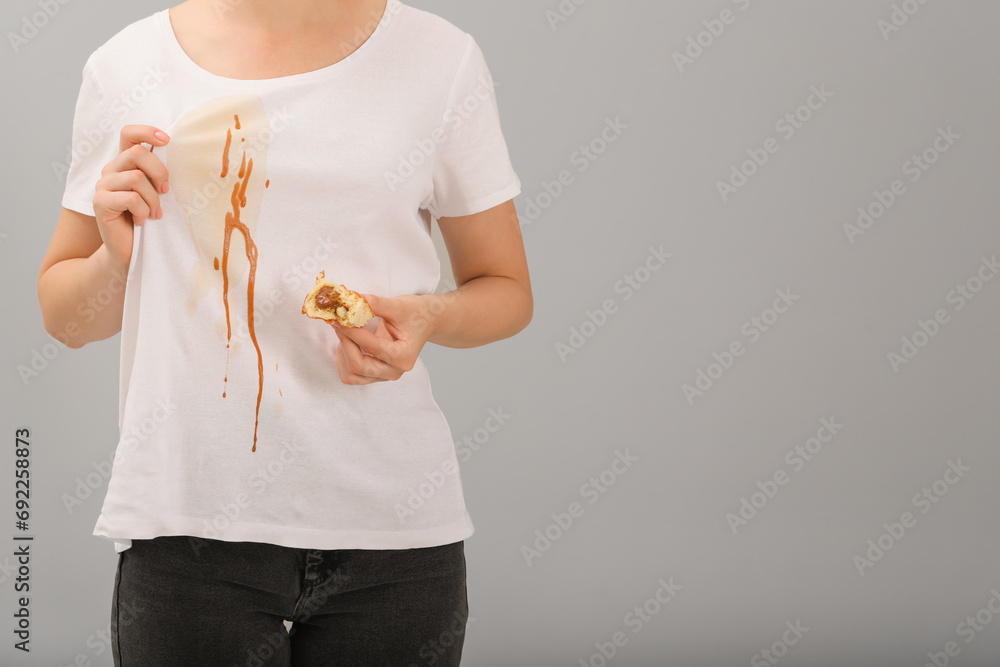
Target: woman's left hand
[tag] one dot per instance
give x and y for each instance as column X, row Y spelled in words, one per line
column 364, row 357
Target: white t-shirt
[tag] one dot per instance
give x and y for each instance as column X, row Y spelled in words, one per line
column 340, row 170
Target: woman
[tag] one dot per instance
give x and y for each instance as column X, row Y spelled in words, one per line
column 271, row 467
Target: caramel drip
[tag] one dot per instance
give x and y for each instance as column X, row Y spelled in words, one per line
column 225, row 153
column 239, row 200
column 237, row 118
column 225, row 276
column 267, row 183
column 243, row 188
column 216, row 263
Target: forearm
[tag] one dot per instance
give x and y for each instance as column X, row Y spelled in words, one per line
column 82, row 298
column 481, row 311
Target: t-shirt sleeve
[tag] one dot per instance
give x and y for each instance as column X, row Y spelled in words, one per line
column 472, row 171
column 95, row 143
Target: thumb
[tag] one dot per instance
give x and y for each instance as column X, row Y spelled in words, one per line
column 382, row 306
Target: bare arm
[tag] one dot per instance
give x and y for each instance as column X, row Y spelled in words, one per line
column 81, row 283
column 493, row 299
column 81, row 289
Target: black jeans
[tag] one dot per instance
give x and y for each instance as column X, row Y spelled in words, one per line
column 182, row 600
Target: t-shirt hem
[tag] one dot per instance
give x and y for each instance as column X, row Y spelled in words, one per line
column 292, row 536
column 481, row 204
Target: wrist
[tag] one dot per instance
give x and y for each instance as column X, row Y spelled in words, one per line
column 107, row 264
column 437, row 308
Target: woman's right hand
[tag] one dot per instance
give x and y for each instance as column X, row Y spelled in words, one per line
column 129, row 189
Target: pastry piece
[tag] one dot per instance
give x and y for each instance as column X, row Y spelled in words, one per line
column 332, row 302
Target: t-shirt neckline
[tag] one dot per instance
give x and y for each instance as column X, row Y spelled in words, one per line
column 391, row 8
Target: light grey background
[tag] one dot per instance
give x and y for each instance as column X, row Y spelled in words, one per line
column 655, row 185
